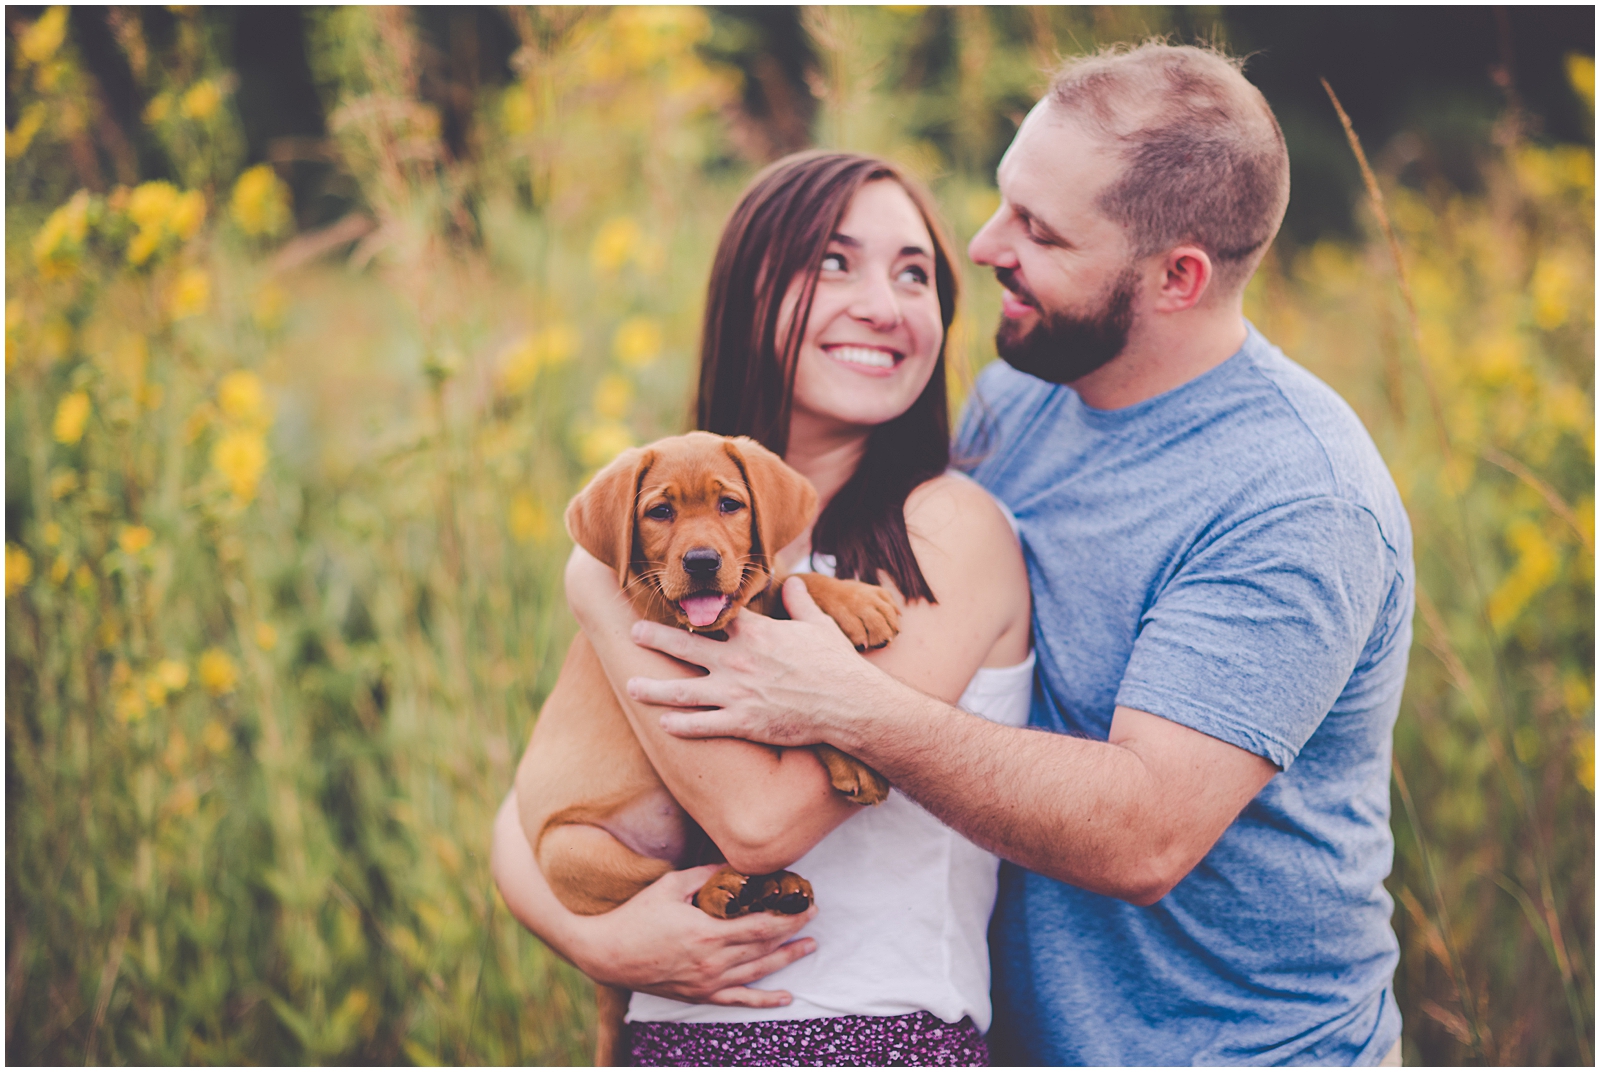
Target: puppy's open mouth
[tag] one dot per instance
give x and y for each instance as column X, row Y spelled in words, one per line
column 703, row 608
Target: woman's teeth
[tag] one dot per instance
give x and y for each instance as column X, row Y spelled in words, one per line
column 861, row 355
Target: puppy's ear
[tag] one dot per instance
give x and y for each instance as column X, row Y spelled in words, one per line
column 783, row 501
column 600, row 517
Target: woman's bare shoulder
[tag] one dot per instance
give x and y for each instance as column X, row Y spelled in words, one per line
column 952, row 511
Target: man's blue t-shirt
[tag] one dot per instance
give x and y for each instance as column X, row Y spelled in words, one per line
column 1232, row 556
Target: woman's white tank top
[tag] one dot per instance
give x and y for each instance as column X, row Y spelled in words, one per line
column 904, row 904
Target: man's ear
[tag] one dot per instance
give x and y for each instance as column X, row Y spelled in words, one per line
column 600, row 517
column 1186, row 275
column 782, row 501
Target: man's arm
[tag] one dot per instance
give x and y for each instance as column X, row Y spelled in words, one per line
column 1128, row 817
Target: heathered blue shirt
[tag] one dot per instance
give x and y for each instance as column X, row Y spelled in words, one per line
column 1232, row 556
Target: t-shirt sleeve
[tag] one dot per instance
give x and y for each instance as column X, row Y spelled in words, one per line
column 1258, row 632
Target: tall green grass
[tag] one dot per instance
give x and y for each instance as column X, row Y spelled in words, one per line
column 284, row 547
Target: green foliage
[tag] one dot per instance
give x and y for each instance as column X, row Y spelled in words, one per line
column 284, row 549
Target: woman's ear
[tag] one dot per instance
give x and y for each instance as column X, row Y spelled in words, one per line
column 600, row 517
column 783, row 501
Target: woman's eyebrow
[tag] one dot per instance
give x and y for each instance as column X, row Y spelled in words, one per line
column 905, row 251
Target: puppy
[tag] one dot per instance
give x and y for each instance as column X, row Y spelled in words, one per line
column 690, row 524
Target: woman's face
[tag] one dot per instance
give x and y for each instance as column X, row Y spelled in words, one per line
column 875, row 330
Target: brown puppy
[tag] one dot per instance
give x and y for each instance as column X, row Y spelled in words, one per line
column 690, row 524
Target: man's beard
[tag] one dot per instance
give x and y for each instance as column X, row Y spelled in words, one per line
column 1062, row 347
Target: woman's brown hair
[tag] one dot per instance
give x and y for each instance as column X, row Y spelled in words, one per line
column 779, row 232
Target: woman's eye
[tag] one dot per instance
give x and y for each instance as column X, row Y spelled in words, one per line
column 833, row 262
column 659, row 512
column 914, row 274
column 730, row 506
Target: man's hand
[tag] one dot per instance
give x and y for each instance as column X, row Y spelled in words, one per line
column 789, row 683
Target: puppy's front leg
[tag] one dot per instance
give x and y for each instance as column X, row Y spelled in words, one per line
column 852, row 777
column 865, row 612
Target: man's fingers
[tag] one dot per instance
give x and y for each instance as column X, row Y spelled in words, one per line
column 781, row 957
column 677, row 692
column 678, row 643
column 693, row 725
column 751, row 999
column 768, row 928
column 798, row 602
column 683, row 885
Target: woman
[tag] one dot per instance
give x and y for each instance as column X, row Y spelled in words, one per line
column 830, row 301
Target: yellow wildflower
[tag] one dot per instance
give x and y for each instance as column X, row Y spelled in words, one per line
column 615, row 243
column 142, row 245
column 189, row 293
column 260, row 204
column 266, row 637
column 72, row 413
column 552, row 345
column 603, row 442
column 217, row 671
column 40, row 41
column 201, row 100
column 28, row 124
column 172, row 674
column 188, row 214
column 517, row 114
column 64, row 232
column 612, row 396
column 1580, row 73
column 51, row 534
column 215, row 737
column 243, row 399
column 134, row 538
column 241, row 456
column 151, row 204
column 637, row 342
column 527, row 518
column 155, row 691
column 19, row 569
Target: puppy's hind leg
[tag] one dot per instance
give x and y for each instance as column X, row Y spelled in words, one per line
column 590, row 871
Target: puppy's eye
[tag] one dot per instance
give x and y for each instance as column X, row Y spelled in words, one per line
column 729, row 506
column 659, row 512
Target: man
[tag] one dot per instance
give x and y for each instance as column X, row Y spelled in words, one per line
column 1223, row 586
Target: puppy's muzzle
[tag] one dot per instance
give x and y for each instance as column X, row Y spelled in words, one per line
column 702, row 563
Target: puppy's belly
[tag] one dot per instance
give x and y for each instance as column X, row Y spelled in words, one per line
column 652, row 825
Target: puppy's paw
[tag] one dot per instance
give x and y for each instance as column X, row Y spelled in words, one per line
column 865, row 612
column 729, row 894
column 853, row 778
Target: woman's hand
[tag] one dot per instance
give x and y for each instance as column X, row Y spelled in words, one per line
column 658, row 942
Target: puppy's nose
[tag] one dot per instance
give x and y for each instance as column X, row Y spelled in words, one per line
column 701, row 561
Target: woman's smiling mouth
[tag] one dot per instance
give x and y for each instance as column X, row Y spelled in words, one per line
column 865, row 356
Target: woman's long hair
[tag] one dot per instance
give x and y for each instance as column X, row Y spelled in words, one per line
column 779, row 232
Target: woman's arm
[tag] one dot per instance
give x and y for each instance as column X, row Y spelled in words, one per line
column 766, row 807
column 658, row 942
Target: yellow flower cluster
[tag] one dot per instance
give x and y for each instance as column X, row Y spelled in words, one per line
column 527, row 519
column 637, row 342
column 72, row 414
column 19, row 569
column 160, row 211
column 218, row 673
column 621, row 241
column 60, row 241
column 240, row 453
column 549, row 346
column 260, row 202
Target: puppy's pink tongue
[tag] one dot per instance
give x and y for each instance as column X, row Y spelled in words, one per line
column 703, row 610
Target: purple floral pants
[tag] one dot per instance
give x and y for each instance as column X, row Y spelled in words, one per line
column 920, row 1039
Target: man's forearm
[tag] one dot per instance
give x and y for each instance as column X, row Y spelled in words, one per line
column 1073, row 809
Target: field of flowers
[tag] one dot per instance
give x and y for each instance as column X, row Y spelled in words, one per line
column 283, row 540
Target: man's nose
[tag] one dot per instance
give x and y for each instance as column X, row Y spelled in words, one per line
column 986, row 246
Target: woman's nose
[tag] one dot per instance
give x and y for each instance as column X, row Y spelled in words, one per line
column 876, row 303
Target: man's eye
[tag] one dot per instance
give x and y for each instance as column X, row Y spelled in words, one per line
column 729, row 506
column 659, row 512
column 833, row 262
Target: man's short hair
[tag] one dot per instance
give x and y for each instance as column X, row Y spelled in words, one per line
column 1204, row 158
